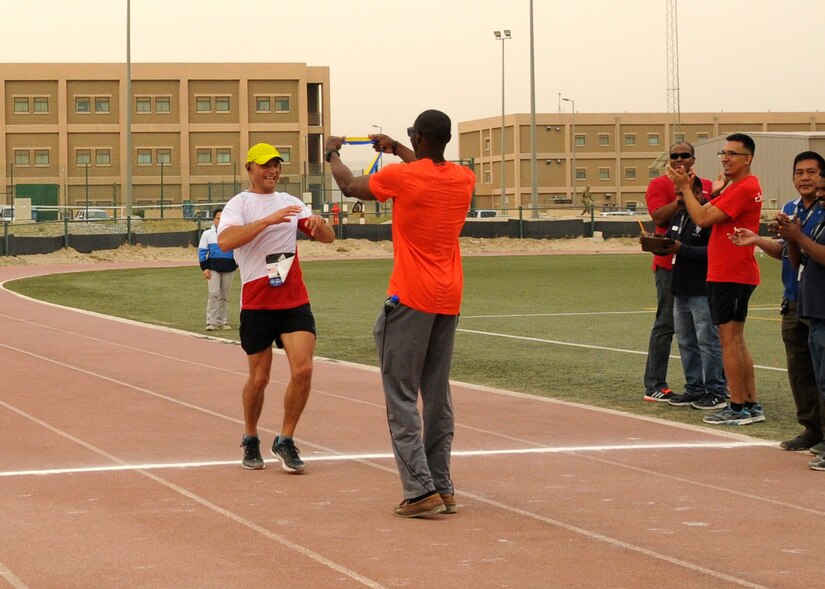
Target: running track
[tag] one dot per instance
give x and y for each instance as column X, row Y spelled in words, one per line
column 120, row 468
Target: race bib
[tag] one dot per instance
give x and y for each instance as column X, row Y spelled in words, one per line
column 277, row 267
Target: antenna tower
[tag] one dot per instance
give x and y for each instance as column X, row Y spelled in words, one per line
column 673, row 106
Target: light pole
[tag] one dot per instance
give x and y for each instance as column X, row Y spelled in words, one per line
column 380, row 165
column 162, row 165
column 502, row 36
column 86, row 167
column 573, row 133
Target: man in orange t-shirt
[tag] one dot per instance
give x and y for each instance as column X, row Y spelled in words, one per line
column 415, row 331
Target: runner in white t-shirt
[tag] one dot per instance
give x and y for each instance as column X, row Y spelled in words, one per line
column 261, row 226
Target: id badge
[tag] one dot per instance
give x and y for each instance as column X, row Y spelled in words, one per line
column 278, row 266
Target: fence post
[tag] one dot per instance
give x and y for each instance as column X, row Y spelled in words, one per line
column 65, row 231
column 5, row 238
column 521, row 222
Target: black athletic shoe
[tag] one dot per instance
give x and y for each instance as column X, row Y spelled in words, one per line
column 287, row 455
column 798, row 444
column 252, row 454
column 685, row 398
column 661, row 396
column 710, row 401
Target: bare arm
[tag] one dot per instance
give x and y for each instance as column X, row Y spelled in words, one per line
column 237, row 235
column 791, row 231
column 318, row 229
column 772, row 247
column 705, row 215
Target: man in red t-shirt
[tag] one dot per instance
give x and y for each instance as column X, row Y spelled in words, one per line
column 662, row 207
column 733, row 273
column 415, row 331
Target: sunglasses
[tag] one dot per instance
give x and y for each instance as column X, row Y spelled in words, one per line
column 681, row 156
column 411, row 131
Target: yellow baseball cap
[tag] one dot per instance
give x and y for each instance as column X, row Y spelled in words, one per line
column 262, row 153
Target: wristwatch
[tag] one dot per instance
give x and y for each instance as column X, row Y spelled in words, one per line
column 328, row 154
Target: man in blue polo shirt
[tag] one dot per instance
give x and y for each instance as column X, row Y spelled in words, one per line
column 807, row 254
column 807, row 167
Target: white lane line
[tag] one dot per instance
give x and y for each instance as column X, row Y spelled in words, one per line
column 283, row 540
column 388, row 456
column 583, row 313
column 9, row 576
column 617, row 543
column 586, row 346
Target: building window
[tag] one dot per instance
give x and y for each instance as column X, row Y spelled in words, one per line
column 223, row 155
column 604, row 173
column 163, row 104
column 102, row 104
column 204, row 157
column 680, row 138
column 164, row 156
column 41, row 104
column 653, row 173
column 262, row 104
column 83, row 157
column 286, row 154
column 630, row 139
column 41, row 157
column 21, row 105
column 488, row 177
column 21, row 157
column 103, row 157
column 143, row 104
column 282, row 104
column 580, row 140
column 487, row 144
column 581, row 174
column 222, row 104
column 203, row 104
column 653, row 139
column 630, row 173
column 82, row 104
column 144, row 157
column 701, row 136
column 604, row 139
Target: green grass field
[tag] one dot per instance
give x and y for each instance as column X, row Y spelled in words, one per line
column 571, row 327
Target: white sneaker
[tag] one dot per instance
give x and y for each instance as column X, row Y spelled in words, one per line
column 212, row 328
column 226, row 326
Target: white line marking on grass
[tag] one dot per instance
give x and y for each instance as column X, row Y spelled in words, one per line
column 389, row 456
column 587, row 346
column 581, row 313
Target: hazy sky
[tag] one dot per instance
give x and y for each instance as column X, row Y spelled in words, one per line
column 389, row 60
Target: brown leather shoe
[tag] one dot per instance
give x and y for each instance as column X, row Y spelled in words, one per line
column 449, row 503
column 425, row 507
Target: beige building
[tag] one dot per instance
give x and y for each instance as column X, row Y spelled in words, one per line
column 613, row 156
column 63, row 127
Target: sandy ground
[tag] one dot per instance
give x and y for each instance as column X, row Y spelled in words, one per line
column 345, row 248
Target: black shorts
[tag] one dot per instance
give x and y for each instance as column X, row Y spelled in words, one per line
column 261, row 327
column 729, row 301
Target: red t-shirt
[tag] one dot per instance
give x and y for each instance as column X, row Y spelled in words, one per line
column 662, row 191
column 429, row 209
column 742, row 203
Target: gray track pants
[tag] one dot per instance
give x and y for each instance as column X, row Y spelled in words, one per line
column 415, row 351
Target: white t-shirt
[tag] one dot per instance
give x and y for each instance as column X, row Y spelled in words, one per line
column 246, row 208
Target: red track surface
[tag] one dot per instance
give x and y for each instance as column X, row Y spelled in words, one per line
column 120, row 468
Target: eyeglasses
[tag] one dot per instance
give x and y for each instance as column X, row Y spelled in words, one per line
column 681, row 156
column 729, row 154
column 411, row 131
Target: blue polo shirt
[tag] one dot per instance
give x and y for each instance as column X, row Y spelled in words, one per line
column 810, row 218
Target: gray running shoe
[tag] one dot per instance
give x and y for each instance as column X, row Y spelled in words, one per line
column 287, row 455
column 728, row 416
column 252, row 454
